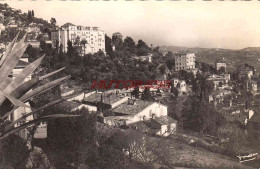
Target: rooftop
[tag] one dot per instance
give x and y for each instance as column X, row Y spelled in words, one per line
column 68, row 105
column 130, row 109
column 141, row 126
column 22, row 64
column 68, row 24
column 107, row 98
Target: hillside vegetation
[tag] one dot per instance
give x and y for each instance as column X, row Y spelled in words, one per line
column 234, row 58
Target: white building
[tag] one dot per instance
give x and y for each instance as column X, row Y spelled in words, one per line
column 220, row 64
column 135, row 111
column 180, row 85
column 94, row 37
column 184, row 61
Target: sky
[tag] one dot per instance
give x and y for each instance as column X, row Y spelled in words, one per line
column 214, row 24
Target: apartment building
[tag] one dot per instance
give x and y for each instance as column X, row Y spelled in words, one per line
column 184, row 61
column 93, row 37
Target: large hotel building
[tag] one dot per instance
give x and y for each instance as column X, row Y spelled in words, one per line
column 94, row 37
column 184, row 61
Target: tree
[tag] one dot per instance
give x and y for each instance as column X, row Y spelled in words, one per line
column 14, row 152
column 74, row 140
column 16, row 94
column 108, row 46
column 139, row 147
column 146, row 95
column 222, row 70
column 170, row 63
column 162, row 69
column 33, row 53
column 70, row 49
column 83, row 43
column 117, row 40
column 53, row 22
column 129, row 45
column 175, row 91
column 30, row 17
column 135, row 92
column 77, row 41
column 142, row 48
column 198, row 115
column 33, row 13
column 202, row 86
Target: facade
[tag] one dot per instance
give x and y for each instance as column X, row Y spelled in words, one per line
column 146, row 58
column 220, row 81
column 245, row 72
column 135, row 111
column 93, row 36
column 184, row 61
column 220, row 64
column 180, row 85
column 165, row 125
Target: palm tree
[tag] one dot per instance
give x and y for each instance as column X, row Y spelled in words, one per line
column 202, row 87
column 14, row 93
column 83, row 43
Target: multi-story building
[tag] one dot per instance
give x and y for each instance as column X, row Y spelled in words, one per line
column 219, row 64
column 184, row 61
column 90, row 39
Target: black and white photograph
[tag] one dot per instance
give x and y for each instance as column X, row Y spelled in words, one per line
column 129, row 84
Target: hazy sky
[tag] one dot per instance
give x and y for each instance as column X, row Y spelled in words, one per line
column 216, row 24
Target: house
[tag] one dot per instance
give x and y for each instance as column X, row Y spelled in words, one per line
column 180, row 85
column 105, row 101
column 245, row 71
column 252, row 85
column 134, row 111
column 33, row 29
column 65, row 106
column 146, row 58
column 163, row 126
column 220, row 81
column 79, row 96
column 221, row 64
column 34, row 43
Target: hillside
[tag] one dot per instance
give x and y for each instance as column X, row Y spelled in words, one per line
column 234, row 58
column 19, row 17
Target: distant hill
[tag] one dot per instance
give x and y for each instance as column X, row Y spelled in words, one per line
column 19, row 17
column 234, row 58
column 176, row 49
